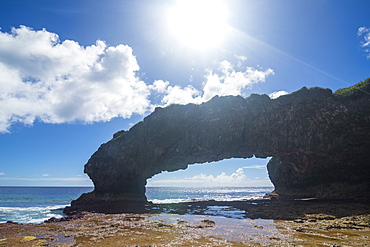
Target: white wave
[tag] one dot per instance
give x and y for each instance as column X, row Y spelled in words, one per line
column 46, row 208
column 33, row 215
column 206, row 198
column 232, row 190
column 167, row 201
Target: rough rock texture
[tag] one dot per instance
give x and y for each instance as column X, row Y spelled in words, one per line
column 319, row 141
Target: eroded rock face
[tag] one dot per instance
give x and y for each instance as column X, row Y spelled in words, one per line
column 320, row 142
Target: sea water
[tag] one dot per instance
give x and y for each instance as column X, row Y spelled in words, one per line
column 187, row 194
column 37, row 204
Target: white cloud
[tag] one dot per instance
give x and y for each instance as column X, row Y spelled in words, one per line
column 241, row 59
column 197, row 183
column 232, row 82
column 45, row 175
column 181, row 95
column 1, row 173
column 48, row 179
column 44, row 79
column 57, row 82
column 277, row 94
column 365, row 32
column 159, row 86
column 237, row 177
column 254, row 167
column 225, row 81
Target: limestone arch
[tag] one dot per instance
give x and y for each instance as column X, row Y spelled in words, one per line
column 174, row 137
column 305, row 133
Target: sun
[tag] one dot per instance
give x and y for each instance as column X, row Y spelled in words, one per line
column 199, row 24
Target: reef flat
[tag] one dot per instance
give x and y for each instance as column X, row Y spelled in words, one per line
column 263, row 223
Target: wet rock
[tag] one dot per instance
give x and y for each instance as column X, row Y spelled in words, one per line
column 208, row 223
column 51, row 220
column 12, row 222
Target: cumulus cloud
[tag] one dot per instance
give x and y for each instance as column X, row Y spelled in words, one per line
column 159, row 86
column 236, row 178
column 241, row 59
column 181, row 95
column 1, row 173
column 277, row 94
column 231, row 82
column 226, row 80
column 57, row 82
column 52, row 81
column 365, row 33
column 255, row 167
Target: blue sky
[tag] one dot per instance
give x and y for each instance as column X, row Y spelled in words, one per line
column 72, row 73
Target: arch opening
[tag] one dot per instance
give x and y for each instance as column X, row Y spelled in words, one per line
column 225, row 180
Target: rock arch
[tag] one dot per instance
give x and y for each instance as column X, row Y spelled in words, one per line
column 319, row 142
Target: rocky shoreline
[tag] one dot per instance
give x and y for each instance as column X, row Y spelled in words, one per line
column 306, row 222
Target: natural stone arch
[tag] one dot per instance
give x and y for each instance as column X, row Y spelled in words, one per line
column 170, row 139
column 306, row 132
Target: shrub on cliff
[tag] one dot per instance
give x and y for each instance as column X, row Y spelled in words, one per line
column 357, row 90
column 118, row 134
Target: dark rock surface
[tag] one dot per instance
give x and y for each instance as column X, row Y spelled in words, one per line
column 319, row 141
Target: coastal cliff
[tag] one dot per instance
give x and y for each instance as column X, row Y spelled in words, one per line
column 319, row 141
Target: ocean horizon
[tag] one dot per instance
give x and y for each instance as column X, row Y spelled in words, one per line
column 34, row 205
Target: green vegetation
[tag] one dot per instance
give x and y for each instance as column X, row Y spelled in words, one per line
column 358, row 90
column 119, row 134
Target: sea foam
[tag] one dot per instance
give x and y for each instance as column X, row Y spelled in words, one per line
column 33, row 215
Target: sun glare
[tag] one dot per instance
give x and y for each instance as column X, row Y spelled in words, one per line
column 199, row 24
